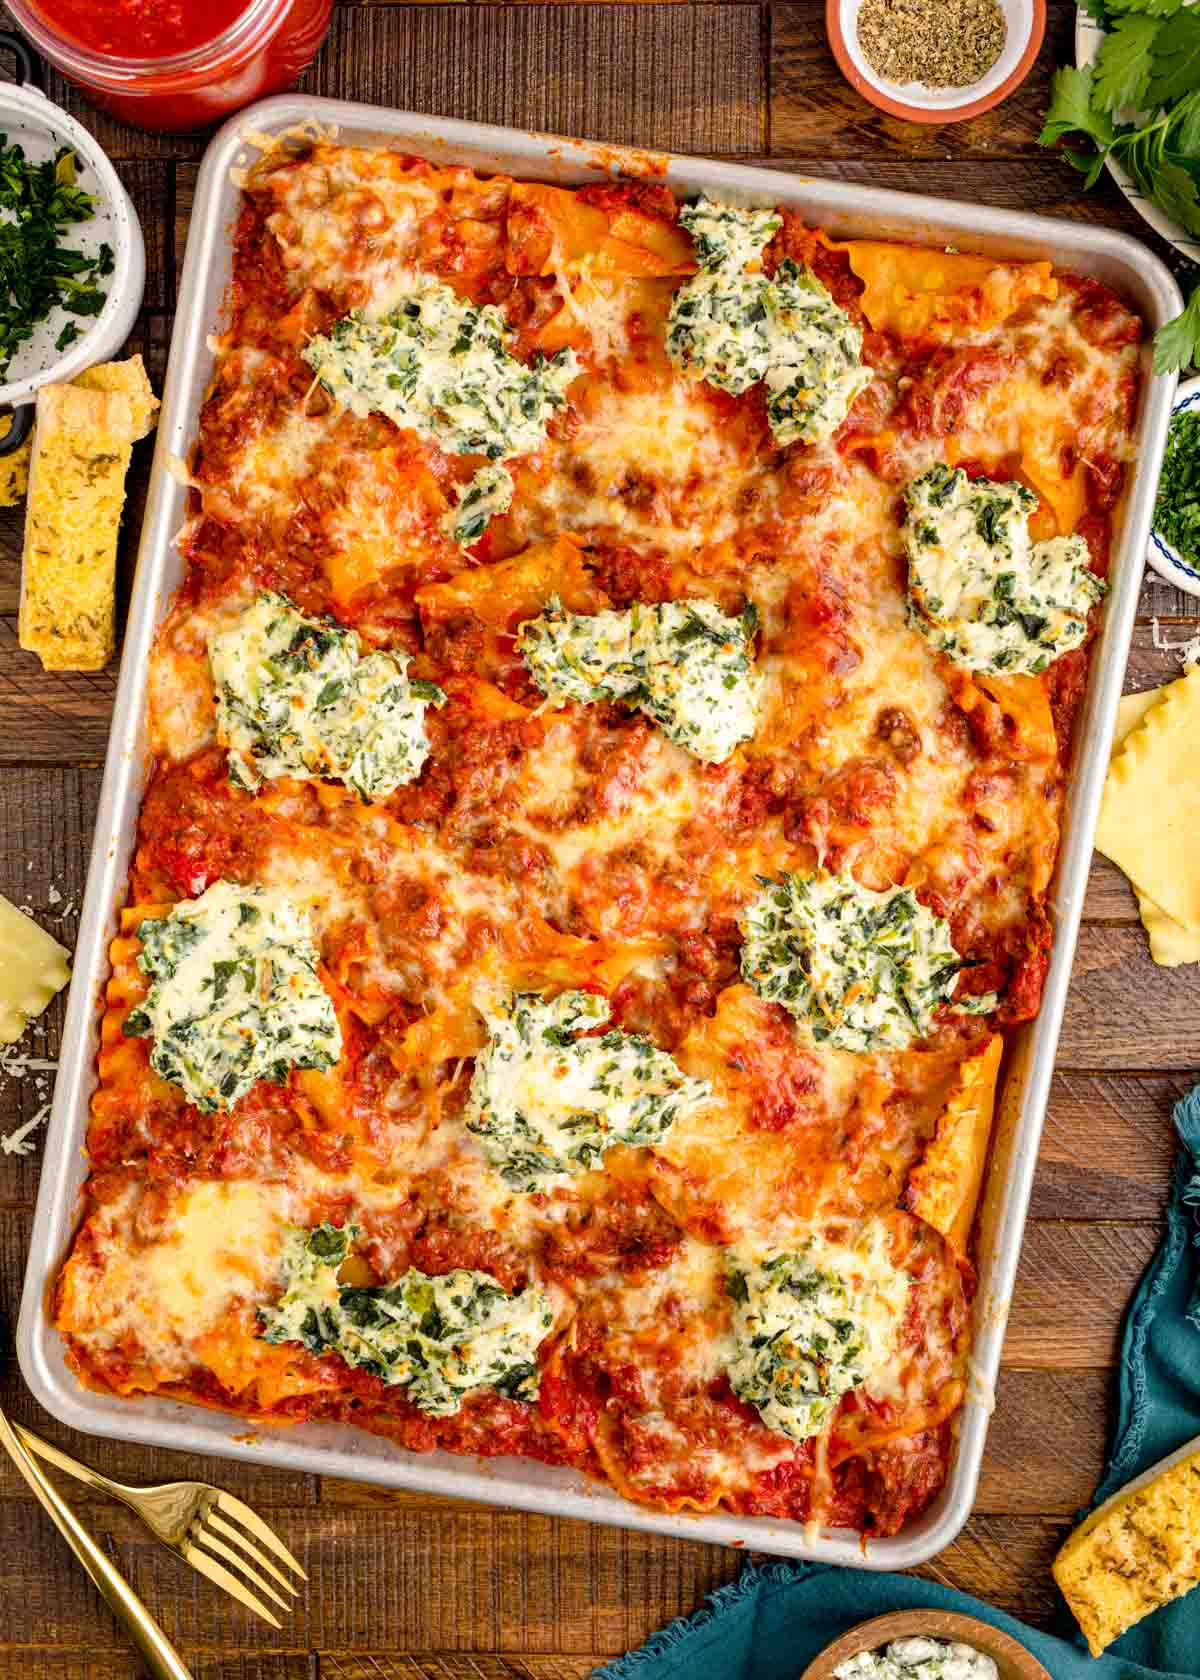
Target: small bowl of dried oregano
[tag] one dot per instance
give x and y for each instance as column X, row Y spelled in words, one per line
column 935, row 61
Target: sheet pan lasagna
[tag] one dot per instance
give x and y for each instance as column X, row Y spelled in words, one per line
column 609, row 750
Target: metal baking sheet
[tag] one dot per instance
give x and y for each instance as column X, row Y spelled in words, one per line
column 342, row 1451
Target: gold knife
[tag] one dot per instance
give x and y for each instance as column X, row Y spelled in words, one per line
column 162, row 1659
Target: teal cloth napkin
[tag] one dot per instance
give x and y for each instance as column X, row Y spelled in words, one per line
column 776, row 1617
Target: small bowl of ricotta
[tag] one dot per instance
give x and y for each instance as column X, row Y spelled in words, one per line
column 925, row 1645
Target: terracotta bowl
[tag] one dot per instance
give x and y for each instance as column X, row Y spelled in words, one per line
column 1012, row 1659
column 1026, row 20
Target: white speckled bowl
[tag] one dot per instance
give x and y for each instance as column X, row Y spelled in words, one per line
column 31, row 120
column 1167, row 561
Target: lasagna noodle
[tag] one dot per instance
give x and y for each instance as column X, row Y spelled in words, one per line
column 927, row 294
column 944, row 1189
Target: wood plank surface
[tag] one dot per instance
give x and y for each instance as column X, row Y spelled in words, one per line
column 407, row 1587
column 680, row 78
column 813, row 107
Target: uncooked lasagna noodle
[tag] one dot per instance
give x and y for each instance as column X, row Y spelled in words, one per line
column 591, row 862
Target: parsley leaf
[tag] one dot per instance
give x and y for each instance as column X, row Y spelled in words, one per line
column 1182, row 135
column 1176, row 59
column 1175, row 192
column 1149, row 8
column 1177, row 344
column 1123, row 64
column 1072, row 112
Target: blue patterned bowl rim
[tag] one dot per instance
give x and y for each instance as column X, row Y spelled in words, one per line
column 1167, row 561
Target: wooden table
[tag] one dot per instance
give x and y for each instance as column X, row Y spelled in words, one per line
column 409, row 1586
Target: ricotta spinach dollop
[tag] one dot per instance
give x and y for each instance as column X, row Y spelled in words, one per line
column 235, row 996
column 441, row 1338
column 444, row 368
column 866, row 970
column 686, row 664
column 810, row 1325
column 717, row 327
column 733, row 325
column 296, row 697
column 981, row 591
column 547, row 1104
column 919, row 1658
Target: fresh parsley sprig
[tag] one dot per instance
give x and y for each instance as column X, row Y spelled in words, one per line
column 1140, row 105
column 38, row 203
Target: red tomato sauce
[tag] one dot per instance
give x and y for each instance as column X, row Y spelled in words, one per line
column 142, row 28
column 174, row 64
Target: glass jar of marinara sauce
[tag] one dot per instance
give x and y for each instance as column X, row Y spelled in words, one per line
column 175, row 64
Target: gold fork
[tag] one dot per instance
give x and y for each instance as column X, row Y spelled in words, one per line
column 186, row 1517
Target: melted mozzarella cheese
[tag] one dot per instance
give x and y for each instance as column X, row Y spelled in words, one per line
column 218, row 1243
column 340, row 224
column 646, row 466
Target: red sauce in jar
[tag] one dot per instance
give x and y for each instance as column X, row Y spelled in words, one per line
column 176, row 64
column 142, row 28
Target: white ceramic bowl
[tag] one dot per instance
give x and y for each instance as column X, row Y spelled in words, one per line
column 914, row 101
column 1167, row 562
column 32, row 121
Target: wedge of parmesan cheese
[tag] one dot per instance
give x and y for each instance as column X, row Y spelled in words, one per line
column 33, row 969
column 81, row 451
column 1139, row 1551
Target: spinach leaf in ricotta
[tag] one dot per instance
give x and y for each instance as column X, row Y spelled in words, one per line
column 441, row 1338
column 548, row 1104
column 490, row 492
column 733, row 325
column 580, row 656
column 979, row 589
column 235, row 996
column 717, row 328
column 444, row 368
column 866, row 970
column 296, row 697
column 686, row 664
column 811, row 1325
column 814, row 361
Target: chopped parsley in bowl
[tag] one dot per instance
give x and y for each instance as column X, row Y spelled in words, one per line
column 1174, row 549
